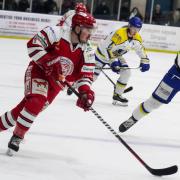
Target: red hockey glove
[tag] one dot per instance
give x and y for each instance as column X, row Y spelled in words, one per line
column 52, row 68
column 85, row 100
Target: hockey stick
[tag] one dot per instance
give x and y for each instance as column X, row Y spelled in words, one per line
column 130, row 88
column 107, row 68
column 157, row 172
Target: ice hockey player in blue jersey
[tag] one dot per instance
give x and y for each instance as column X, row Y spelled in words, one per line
column 163, row 94
column 111, row 50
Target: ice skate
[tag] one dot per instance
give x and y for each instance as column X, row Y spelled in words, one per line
column 119, row 100
column 127, row 124
column 13, row 145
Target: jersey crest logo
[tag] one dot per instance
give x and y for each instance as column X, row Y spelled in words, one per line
column 66, row 65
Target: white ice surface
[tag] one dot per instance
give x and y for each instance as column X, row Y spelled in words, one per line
column 68, row 144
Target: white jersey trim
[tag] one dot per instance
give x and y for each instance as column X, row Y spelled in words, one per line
column 27, row 115
column 24, row 123
column 10, row 118
column 4, row 122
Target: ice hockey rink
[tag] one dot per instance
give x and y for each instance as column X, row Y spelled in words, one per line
column 69, row 144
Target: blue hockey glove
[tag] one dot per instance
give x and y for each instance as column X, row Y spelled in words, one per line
column 144, row 65
column 115, row 66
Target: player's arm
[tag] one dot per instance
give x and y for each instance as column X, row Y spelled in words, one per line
column 118, row 41
column 140, row 51
column 117, row 61
column 85, row 80
column 88, row 66
column 39, row 45
column 39, row 48
column 117, row 49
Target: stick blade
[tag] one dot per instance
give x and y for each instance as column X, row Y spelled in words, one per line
column 130, row 88
column 165, row 171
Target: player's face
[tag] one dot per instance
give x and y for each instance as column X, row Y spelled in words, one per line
column 85, row 34
column 133, row 30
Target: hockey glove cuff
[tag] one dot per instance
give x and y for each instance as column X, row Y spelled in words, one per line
column 144, row 65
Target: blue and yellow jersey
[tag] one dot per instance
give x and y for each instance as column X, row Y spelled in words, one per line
column 117, row 43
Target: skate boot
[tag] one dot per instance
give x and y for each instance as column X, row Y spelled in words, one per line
column 13, row 145
column 119, row 100
column 127, row 124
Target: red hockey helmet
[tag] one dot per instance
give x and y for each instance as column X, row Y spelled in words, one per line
column 80, row 7
column 83, row 20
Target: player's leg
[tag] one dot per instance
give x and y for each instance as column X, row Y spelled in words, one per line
column 39, row 95
column 142, row 110
column 33, row 106
column 120, row 87
column 9, row 118
column 99, row 64
column 36, row 90
column 163, row 94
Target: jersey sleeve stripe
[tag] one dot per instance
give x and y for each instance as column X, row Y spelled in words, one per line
column 33, row 53
column 32, row 49
column 83, row 82
column 46, row 37
column 39, row 55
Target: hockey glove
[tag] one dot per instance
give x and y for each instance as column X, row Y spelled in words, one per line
column 52, row 68
column 116, row 66
column 144, row 65
column 85, row 100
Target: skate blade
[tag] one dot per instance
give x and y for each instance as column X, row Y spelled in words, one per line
column 10, row 152
column 117, row 103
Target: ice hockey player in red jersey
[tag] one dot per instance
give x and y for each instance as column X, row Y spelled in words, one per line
column 57, row 54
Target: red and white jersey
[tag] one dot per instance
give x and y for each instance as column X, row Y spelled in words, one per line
column 66, row 19
column 54, row 43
